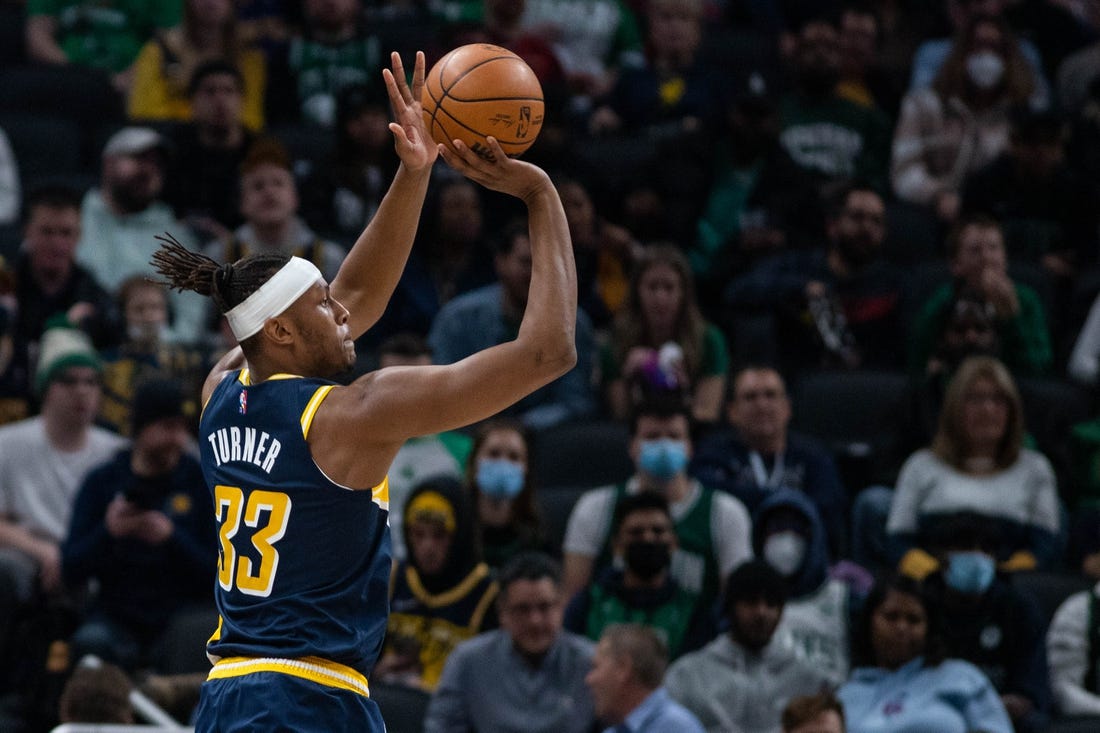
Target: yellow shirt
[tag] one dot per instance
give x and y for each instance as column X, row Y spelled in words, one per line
column 156, row 95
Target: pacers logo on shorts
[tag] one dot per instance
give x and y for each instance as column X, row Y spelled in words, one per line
column 243, row 403
column 524, row 121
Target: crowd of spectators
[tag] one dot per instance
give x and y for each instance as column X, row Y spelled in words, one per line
column 759, row 193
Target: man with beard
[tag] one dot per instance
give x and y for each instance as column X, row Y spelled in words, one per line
column 643, row 590
column 839, row 307
column 741, row 681
column 142, row 529
column 979, row 265
column 829, row 137
column 120, row 219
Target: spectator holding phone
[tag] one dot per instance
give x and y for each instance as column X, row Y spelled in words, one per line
column 142, row 528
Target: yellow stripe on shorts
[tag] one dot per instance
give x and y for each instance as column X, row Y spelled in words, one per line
column 315, row 669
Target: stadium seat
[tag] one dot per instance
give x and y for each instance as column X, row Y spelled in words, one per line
column 403, row 708
column 861, row 416
column 1048, row 590
column 582, row 454
column 1075, row 725
column 12, row 50
column 555, row 505
column 184, row 644
column 1051, row 408
column 912, row 235
column 85, row 95
column 44, row 145
column 308, row 146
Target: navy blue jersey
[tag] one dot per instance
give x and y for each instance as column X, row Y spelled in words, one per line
column 303, row 563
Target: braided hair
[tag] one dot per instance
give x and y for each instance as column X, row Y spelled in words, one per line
column 228, row 284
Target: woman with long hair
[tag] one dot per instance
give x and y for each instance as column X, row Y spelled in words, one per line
column 901, row 681
column 163, row 70
column 499, row 480
column 978, row 463
column 661, row 342
column 961, row 122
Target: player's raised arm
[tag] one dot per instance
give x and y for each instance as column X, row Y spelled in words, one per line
column 373, row 267
column 393, row 404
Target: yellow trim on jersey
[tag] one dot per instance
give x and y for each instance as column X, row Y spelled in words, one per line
column 315, row 669
column 380, row 494
column 447, row 597
column 217, row 631
column 245, row 377
column 312, row 407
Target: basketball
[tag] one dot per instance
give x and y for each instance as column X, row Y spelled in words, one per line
column 479, row 90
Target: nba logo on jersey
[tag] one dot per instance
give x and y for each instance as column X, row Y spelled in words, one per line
column 243, row 401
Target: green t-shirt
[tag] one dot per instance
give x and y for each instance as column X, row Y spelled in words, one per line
column 1025, row 338
column 323, row 70
column 106, row 34
column 835, row 138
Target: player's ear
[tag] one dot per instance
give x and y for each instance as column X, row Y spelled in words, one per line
column 279, row 330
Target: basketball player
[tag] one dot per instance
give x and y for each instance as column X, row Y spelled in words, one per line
column 297, row 465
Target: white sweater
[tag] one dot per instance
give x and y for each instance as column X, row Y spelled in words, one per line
column 1025, row 492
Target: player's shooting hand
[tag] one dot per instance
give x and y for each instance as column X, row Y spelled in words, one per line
column 414, row 145
column 497, row 172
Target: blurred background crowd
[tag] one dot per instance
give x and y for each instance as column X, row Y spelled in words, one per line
column 839, row 267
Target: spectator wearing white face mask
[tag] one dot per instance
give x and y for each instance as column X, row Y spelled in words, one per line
column 931, row 56
column 959, row 122
column 789, row 535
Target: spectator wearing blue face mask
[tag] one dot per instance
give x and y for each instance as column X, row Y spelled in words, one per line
column 986, row 621
column 503, row 492
column 713, row 527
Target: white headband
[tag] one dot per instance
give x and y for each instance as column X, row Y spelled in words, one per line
column 273, row 297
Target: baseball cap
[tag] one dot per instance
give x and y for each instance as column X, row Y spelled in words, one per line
column 133, row 141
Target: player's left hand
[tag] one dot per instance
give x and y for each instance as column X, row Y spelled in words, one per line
column 414, row 145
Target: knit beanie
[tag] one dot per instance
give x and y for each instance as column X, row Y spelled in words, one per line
column 62, row 347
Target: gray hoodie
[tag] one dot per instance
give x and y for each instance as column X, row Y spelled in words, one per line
column 732, row 690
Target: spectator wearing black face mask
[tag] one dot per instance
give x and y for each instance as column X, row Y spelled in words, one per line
column 642, row 590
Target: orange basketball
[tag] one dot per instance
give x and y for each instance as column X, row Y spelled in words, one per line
column 479, row 90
